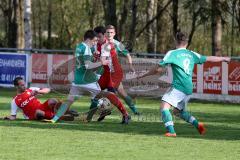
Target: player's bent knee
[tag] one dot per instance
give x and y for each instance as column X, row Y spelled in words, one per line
column 165, row 105
column 176, row 112
column 52, row 102
column 71, row 99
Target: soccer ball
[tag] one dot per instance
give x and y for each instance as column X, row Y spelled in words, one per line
column 104, row 104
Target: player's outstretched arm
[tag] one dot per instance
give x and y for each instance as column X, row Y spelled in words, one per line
column 153, row 71
column 218, row 59
column 44, row 91
column 14, row 109
column 129, row 59
column 91, row 65
column 36, row 90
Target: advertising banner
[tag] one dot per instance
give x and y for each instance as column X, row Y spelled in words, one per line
column 39, row 68
column 13, row 65
column 234, row 78
column 212, row 77
column 207, row 78
column 60, row 69
column 153, row 86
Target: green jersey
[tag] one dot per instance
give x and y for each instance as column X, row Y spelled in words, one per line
column 82, row 75
column 121, row 50
column 182, row 62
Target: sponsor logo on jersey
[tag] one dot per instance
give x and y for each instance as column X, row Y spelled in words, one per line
column 24, row 103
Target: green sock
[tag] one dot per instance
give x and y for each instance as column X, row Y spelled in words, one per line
column 167, row 120
column 92, row 109
column 130, row 104
column 94, row 103
column 186, row 116
column 60, row 112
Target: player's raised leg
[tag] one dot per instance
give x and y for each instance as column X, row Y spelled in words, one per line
column 186, row 116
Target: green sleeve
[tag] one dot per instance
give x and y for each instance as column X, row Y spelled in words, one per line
column 203, row 59
column 77, row 51
column 168, row 58
column 162, row 63
column 81, row 59
column 100, row 70
column 199, row 59
column 121, row 50
column 92, row 49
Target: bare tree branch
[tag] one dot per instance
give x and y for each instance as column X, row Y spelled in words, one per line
column 154, row 18
column 123, row 19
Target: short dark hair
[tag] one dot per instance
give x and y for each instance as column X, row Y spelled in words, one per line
column 15, row 81
column 181, row 38
column 110, row 27
column 100, row 29
column 89, row 34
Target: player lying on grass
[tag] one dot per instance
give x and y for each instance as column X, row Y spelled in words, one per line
column 182, row 63
column 112, row 76
column 32, row 108
column 85, row 79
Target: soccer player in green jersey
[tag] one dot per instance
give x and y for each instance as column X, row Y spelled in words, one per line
column 182, row 63
column 85, row 79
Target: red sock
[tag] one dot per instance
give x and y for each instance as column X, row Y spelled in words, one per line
column 116, row 102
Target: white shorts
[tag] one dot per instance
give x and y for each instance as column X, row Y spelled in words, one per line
column 176, row 98
column 78, row 90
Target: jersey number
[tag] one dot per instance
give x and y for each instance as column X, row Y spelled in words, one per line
column 186, row 64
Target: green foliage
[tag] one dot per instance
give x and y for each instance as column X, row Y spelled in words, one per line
column 141, row 139
column 71, row 18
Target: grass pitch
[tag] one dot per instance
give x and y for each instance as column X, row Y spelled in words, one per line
column 143, row 138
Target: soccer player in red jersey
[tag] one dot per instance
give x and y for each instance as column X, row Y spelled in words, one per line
column 113, row 73
column 32, row 108
column 111, row 78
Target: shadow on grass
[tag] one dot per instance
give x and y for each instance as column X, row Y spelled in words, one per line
column 134, row 128
column 227, row 118
column 149, row 125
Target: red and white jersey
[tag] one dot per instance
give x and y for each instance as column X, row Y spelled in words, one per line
column 27, row 102
column 108, row 51
column 114, row 69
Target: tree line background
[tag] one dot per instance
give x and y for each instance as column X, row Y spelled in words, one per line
column 144, row 25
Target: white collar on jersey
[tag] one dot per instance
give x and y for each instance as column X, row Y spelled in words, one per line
column 180, row 48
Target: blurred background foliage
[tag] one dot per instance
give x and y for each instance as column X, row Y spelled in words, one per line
column 149, row 26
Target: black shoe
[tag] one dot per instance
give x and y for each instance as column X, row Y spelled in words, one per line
column 73, row 113
column 104, row 114
column 126, row 119
column 91, row 113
